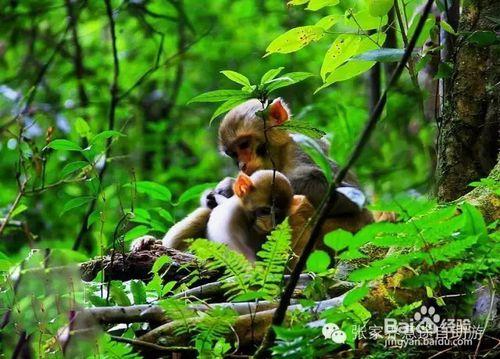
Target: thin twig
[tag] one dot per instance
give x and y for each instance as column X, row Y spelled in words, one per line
column 331, row 196
column 141, row 343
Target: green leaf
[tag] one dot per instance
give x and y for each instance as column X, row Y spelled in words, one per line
column 297, row 2
column 75, row 203
column 136, row 232
column 117, row 292
column 328, row 21
column 382, row 55
column 73, row 167
column 364, row 21
column 379, row 7
column 343, row 48
column 153, row 190
column 19, row 209
column 216, row 96
column 160, row 262
column 288, row 79
column 94, row 217
column 313, row 150
column 105, row 135
column 82, row 127
column 64, row 145
column 138, row 290
column 303, row 128
column 270, row 75
column 237, row 77
column 338, row 240
column 475, row 223
column 355, row 295
column 483, row 38
column 445, row 69
column 227, row 106
column 195, row 192
column 447, row 27
column 315, row 5
column 347, row 71
column 295, row 39
column 318, row 261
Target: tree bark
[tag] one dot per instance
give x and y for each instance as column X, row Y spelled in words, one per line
column 468, row 133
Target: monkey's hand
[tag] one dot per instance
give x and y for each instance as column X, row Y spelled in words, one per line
column 223, row 191
column 144, row 243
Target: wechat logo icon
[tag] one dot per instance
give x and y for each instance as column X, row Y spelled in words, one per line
column 333, row 332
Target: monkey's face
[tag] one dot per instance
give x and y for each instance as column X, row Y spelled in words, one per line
column 266, row 204
column 242, row 134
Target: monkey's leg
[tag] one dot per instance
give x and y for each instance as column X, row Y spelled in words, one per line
column 193, row 226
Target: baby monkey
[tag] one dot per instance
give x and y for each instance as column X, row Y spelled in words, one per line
column 243, row 221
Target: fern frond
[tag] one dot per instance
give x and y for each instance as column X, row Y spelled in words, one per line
column 236, row 267
column 274, row 257
column 177, row 309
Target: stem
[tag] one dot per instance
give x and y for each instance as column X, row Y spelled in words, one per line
column 323, row 210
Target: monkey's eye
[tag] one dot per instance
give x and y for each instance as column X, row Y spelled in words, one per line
column 263, row 211
column 244, row 145
column 261, row 150
column 231, row 154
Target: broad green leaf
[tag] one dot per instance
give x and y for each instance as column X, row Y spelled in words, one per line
column 338, row 240
column 160, row 262
column 314, row 150
column 94, row 217
column 364, row 21
column 382, row 55
column 347, row 71
column 379, row 7
column 168, row 287
column 117, row 292
column 138, row 290
column 318, row 261
column 426, row 31
column 236, row 77
column 483, row 38
column 319, row 4
column 19, row 209
column 216, row 96
column 288, row 79
column 136, row 232
column 153, row 190
column 445, row 69
column 195, row 192
column 328, row 21
column 64, row 145
column 297, row 2
column 447, row 27
column 75, row 203
column 270, row 75
column 372, row 42
column 343, row 48
column 303, row 128
column 295, row 39
column 105, row 135
column 227, row 106
column 82, row 127
column 355, row 295
column 73, row 167
column 475, row 223
column 163, row 213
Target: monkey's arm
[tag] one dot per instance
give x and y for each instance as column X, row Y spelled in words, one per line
column 311, row 182
column 193, row 226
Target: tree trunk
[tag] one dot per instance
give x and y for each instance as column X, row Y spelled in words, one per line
column 468, row 133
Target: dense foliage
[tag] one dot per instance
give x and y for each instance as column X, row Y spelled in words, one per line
column 108, row 131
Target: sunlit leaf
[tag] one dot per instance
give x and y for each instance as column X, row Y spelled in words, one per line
column 295, row 39
column 19, row 209
column 379, row 7
column 73, row 167
column 153, row 190
column 195, row 192
column 318, row 261
column 227, row 106
column 344, row 47
column 138, row 290
column 270, row 75
column 82, row 127
column 346, row 72
column 447, row 27
column 136, row 232
column 64, row 145
column 355, row 295
column 75, row 203
column 319, row 4
column 328, row 21
column 236, row 77
column 216, row 96
column 288, row 79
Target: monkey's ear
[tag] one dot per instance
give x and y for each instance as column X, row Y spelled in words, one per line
column 243, row 185
column 279, row 111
